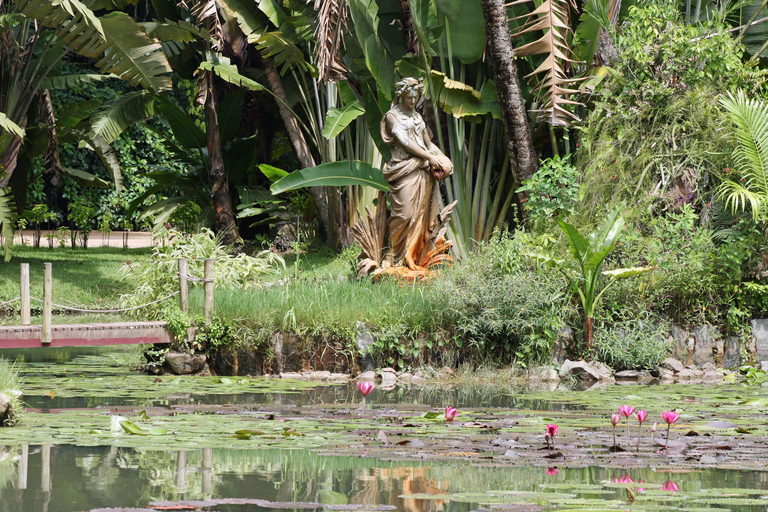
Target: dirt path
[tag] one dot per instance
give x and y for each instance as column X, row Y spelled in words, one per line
column 133, row 239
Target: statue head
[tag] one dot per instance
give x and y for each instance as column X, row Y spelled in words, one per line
column 408, row 87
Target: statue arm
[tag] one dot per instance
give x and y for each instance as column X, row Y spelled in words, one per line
column 411, row 145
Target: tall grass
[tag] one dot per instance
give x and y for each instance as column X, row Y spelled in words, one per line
column 9, row 376
column 308, row 306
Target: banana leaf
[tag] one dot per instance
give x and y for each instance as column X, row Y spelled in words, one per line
column 335, row 174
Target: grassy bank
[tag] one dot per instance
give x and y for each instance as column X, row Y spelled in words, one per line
column 81, row 277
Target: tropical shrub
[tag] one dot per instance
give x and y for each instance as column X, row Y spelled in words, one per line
column 502, row 304
column 637, row 344
column 654, row 134
column 553, row 190
column 159, row 277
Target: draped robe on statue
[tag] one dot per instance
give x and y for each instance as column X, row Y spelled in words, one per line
column 413, row 194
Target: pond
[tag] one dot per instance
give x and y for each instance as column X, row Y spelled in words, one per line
column 214, row 444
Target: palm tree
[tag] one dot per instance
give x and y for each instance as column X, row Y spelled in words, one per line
column 35, row 35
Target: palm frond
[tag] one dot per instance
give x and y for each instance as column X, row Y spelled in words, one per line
column 9, row 126
column 750, row 156
column 552, row 17
column 283, row 51
column 109, row 122
column 207, row 16
column 178, row 31
column 329, row 36
column 116, row 40
column 228, row 72
column 7, row 219
column 105, row 153
column 68, row 81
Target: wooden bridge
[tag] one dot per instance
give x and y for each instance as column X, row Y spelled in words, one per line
column 71, row 335
column 95, row 334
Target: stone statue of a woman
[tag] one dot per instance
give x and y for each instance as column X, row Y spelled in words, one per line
column 411, row 241
column 416, row 167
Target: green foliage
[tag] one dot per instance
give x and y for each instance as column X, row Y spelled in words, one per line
column 177, row 323
column 662, row 56
column 637, row 344
column 36, row 216
column 159, row 276
column 82, row 216
column 696, row 279
column 654, row 133
column 589, row 255
column 332, row 174
column 553, row 190
column 217, row 333
column 10, row 384
column 750, row 156
column 505, row 307
column 753, row 375
column 7, row 219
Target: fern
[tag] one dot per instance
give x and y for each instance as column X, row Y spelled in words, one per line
column 750, row 157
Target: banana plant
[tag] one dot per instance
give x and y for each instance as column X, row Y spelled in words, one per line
column 589, row 255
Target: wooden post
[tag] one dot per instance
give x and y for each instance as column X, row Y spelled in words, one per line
column 21, row 482
column 183, row 284
column 207, row 471
column 208, row 287
column 181, row 470
column 45, row 335
column 24, row 284
column 45, row 477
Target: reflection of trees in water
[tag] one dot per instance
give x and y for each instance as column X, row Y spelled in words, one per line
column 111, row 477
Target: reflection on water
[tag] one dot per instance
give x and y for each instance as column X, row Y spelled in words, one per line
column 73, row 479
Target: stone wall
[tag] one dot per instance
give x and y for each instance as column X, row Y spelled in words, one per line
column 706, row 344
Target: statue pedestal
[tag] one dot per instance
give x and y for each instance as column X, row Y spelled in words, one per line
column 370, row 233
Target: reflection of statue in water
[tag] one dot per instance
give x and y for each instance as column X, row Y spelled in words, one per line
column 415, row 225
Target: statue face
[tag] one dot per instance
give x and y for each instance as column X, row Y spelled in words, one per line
column 409, row 99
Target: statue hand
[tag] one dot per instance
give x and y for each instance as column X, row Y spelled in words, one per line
column 446, row 165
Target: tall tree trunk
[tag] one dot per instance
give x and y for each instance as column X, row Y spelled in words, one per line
column 224, row 219
column 330, row 210
column 8, row 160
column 10, row 156
column 513, row 113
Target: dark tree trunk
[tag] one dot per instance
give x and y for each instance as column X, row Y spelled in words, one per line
column 330, row 213
column 224, row 219
column 9, row 158
column 513, row 113
column 588, row 332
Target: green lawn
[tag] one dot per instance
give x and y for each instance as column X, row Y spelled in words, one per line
column 84, row 277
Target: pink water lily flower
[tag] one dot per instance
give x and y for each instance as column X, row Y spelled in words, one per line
column 366, row 387
column 550, row 436
column 615, row 419
column 451, row 413
column 670, row 486
column 552, row 471
column 670, row 417
column 626, row 410
column 641, row 415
